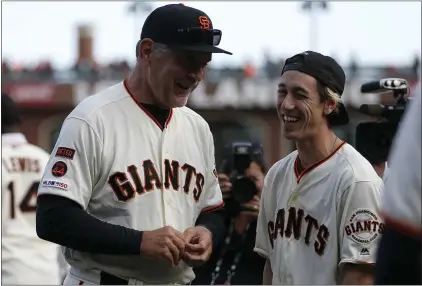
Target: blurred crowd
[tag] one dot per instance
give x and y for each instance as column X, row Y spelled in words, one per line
column 93, row 71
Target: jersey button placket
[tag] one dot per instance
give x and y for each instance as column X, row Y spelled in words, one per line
column 164, row 195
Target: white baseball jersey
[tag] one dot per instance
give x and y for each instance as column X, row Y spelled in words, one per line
column 311, row 223
column 113, row 158
column 402, row 198
column 26, row 259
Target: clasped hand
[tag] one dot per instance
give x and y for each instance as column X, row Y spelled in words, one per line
column 194, row 246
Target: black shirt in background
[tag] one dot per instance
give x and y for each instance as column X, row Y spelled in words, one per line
column 249, row 270
column 399, row 259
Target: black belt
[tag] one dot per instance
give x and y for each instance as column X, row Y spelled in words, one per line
column 108, row 279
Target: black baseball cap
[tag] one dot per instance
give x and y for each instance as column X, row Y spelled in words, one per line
column 326, row 71
column 182, row 27
column 9, row 112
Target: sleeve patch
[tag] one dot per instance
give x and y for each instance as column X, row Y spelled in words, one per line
column 363, row 226
column 65, row 152
column 59, row 169
column 55, row 184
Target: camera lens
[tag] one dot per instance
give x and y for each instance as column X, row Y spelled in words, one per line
column 244, row 189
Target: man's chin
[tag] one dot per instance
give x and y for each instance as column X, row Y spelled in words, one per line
column 292, row 134
column 180, row 100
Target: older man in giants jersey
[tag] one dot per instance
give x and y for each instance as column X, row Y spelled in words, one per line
column 131, row 184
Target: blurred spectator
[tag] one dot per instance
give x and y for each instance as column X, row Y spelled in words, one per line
column 271, row 68
column 87, row 69
column 233, row 262
column 5, row 67
column 249, row 70
column 44, row 69
column 353, row 67
column 124, row 68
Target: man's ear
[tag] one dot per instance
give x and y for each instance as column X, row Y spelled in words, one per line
column 329, row 106
column 145, row 48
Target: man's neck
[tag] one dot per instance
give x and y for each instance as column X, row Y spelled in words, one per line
column 139, row 89
column 315, row 149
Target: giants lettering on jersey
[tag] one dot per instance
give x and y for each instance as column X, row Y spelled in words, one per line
column 295, row 219
column 125, row 190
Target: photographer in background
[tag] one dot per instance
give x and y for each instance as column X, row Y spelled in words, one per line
column 374, row 139
column 241, row 180
column 399, row 253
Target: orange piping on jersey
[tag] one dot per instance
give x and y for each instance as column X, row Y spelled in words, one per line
column 402, row 226
column 146, row 111
column 307, row 170
column 213, row 208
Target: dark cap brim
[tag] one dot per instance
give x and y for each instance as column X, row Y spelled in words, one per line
column 205, row 49
column 340, row 118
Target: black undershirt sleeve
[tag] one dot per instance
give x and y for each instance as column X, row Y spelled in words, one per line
column 64, row 222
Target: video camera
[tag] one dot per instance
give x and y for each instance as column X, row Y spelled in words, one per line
column 238, row 157
column 373, row 139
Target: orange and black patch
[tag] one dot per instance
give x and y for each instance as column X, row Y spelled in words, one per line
column 59, row 169
column 65, row 153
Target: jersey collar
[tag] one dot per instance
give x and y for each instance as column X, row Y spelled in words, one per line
column 146, row 111
column 13, row 139
column 307, row 170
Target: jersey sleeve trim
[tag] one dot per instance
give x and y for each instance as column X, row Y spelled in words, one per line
column 356, row 261
column 213, row 208
column 261, row 252
column 402, row 226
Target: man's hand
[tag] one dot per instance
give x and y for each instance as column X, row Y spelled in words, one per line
column 251, row 208
column 198, row 245
column 225, row 185
column 164, row 243
column 356, row 274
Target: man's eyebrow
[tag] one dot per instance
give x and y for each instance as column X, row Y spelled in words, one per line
column 295, row 88
column 300, row 89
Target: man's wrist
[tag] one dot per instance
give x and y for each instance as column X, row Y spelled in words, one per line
column 214, row 223
column 205, row 228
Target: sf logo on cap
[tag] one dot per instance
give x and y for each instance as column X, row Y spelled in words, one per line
column 204, row 22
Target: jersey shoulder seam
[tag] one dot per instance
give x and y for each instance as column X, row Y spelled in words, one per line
column 124, row 94
column 89, row 125
column 94, row 110
column 190, row 112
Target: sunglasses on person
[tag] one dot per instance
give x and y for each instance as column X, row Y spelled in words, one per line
column 200, row 36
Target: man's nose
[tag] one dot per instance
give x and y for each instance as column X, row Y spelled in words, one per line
column 196, row 75
column 288, row 102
